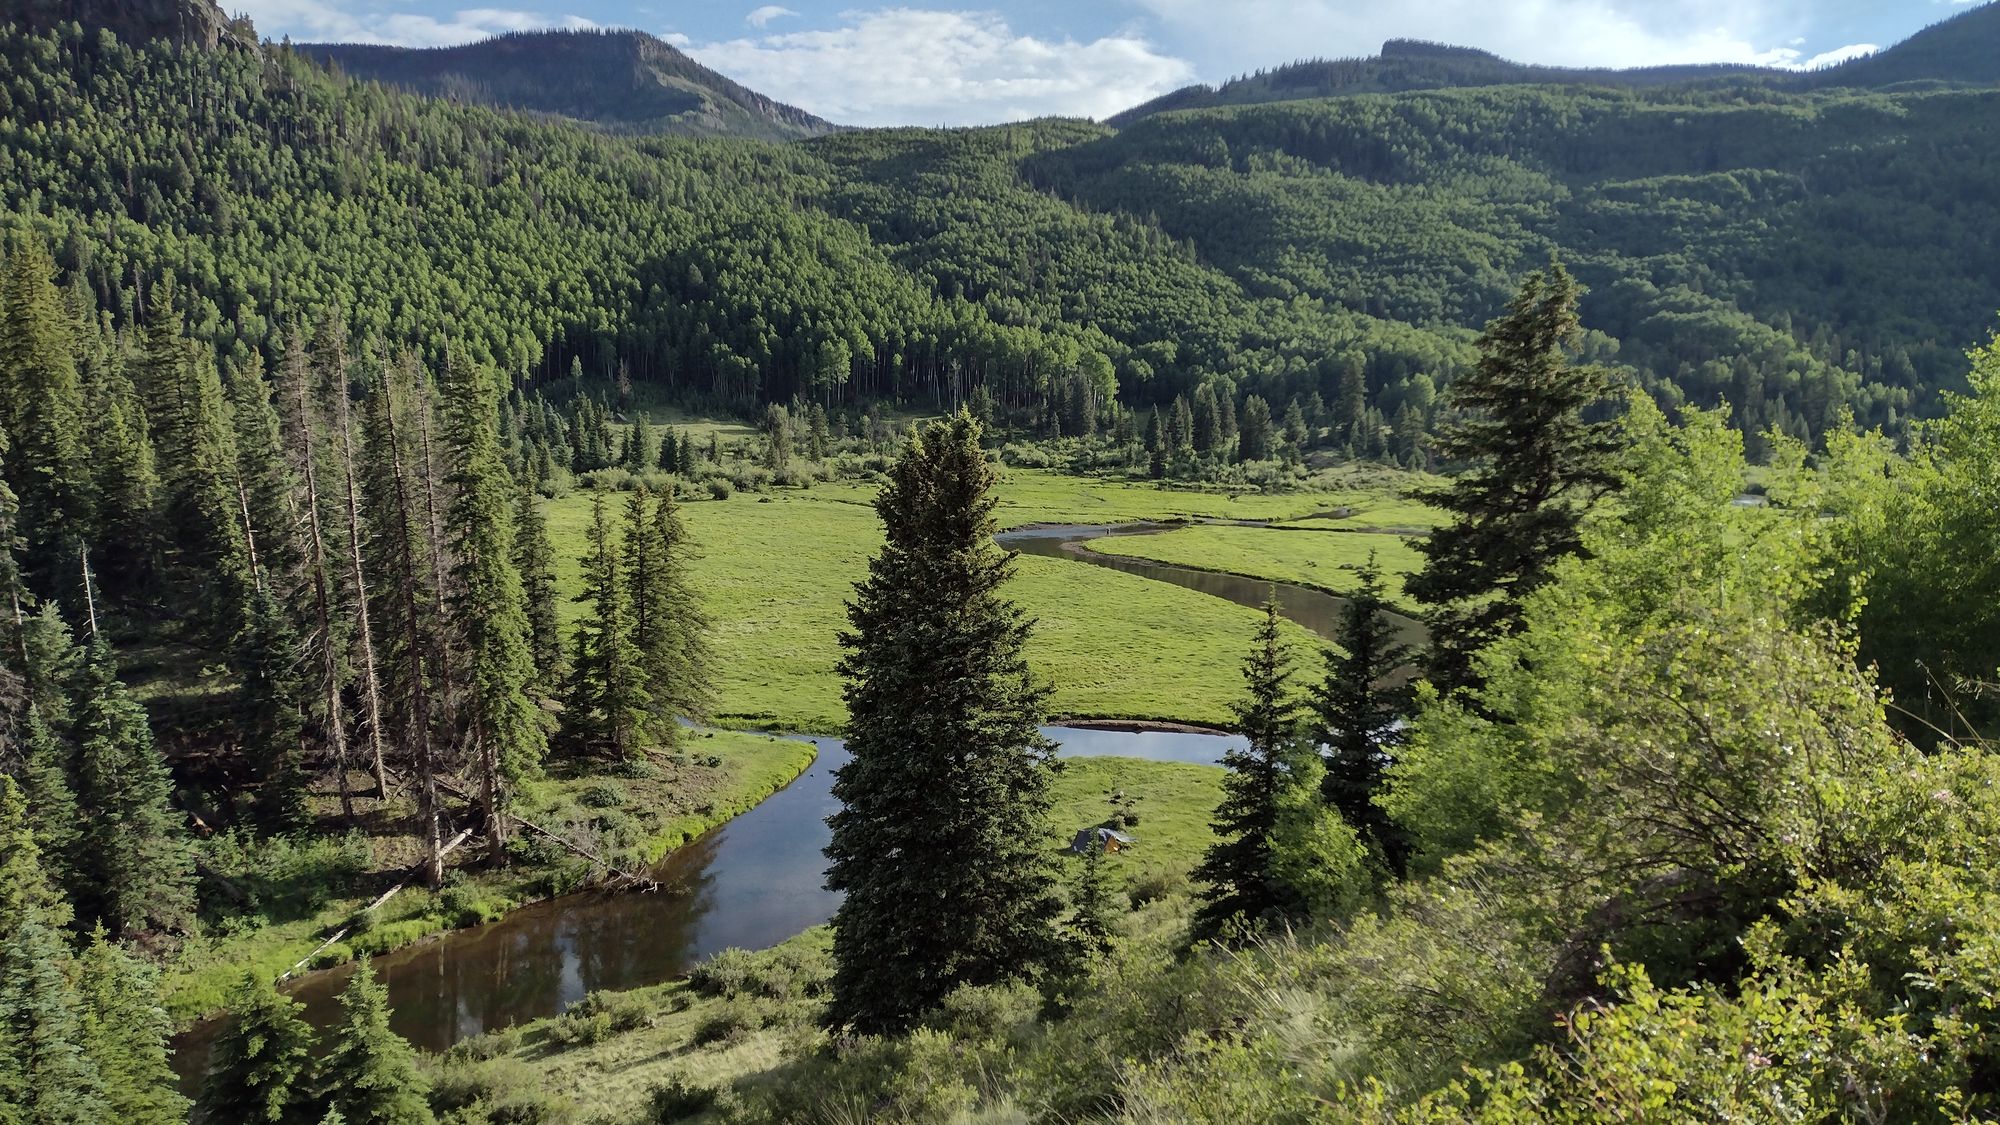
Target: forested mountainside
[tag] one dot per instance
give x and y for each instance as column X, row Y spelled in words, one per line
column 1796, row 254
column 1957, row 50
column 625, row 81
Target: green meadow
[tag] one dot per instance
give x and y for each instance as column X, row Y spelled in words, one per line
column 1322, row 554
column 776, row 570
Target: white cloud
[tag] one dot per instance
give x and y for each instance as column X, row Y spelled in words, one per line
column 762, row 17
column 908, row 66
column 314, row 21
column 1618, row 33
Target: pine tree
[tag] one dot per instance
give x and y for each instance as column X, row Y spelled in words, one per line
column 1358, row 710
column 1207, row 420
column 330, row 371
column 137, row 870
column 125, row 1033
column 303, row 431
column 371, row 1077
column 47, row 1077
column 47, row 762
column 264, row 481
column 1253, row 441
column 499, row 726
column 1296, row 433
column 1350, row 416
column 1240, row 891
column 945, row 743
column 1180, row 433
column 606, row 706
column 777, row 438
column 402, row 600
column 820, row 440
column 271, row 717
column 685, row 660
column 1095, row 909
column 43, row 406
column 1535, row 465
column 670, row 451
column 127, row 542
column 260, row 1068
column 195, row 438
column 534, row 558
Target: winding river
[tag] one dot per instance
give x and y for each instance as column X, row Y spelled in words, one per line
column 750, row 883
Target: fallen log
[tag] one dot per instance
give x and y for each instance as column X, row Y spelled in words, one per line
column 625, row 880
column 384, row 897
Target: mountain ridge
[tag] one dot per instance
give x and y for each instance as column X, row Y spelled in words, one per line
column 621, row 80
column 1964, row 49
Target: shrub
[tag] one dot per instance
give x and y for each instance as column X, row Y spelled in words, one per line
column 719, row 488
column 992, row 1011
column 728, row 973
column 677, row 1098
column 601, row 796
column 733, row 1020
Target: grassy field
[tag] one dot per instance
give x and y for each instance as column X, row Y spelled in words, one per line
column 1324, row 555
column 721, row 774
column 743, row 1015
column 776, row 572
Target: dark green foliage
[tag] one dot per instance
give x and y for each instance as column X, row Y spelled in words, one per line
column 260, row 1067
column 47, row 1074
column 273, row 694
column 1358, row 707
column 534, row 559
column 1253, row 440
column 125, row 1032
column 1097, row 903
column 607, row 703
column 1534, row 464
column 499, row 727
column 668, row 628
column 137, row 872
column 938, row 845
column 41, row 404
column 1240, row 890
column 370, row 1074
column 47, row 762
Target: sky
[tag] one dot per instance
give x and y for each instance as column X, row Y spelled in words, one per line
column 944, row 63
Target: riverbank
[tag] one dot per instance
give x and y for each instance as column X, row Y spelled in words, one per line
column 618, row 1055
column 636, row 813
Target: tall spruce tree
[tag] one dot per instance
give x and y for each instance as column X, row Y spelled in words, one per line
column 499, row 727
column 943, row 729
column 668, row 628
column 125, row 1032
column 370, row 1076
column 400, row 597
column 1359, row 707
column 194, row 435
column 303, row 439
column 1534, row 464
column 47, row 761
column 138, row 872
column 607, row 703
column 1240, row 890
column 535, row 559
column 260, row 1067
column 47, row 1076
column 334, row 386
column 271, row 717
column 42, row 397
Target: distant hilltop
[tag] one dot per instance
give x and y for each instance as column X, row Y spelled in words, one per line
column 1963, row 50
column 624, row 81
